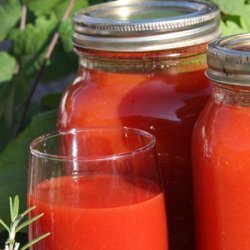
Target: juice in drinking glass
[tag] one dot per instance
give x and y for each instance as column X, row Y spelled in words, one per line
column 106, row 195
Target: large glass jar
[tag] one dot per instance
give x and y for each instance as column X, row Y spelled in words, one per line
column 142, row 65
column 221, row 150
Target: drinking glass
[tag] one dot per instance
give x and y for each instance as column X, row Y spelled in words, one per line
column 98, row 188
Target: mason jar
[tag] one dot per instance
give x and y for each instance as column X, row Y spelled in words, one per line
column 142, row 65
column 221, row 150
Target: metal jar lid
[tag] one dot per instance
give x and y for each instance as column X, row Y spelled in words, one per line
column 229, row 60
column 146, row 25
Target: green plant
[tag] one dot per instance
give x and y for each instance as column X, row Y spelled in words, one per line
column 234, row 16
column 29, row 26
column 37, row 35
column 15, row 226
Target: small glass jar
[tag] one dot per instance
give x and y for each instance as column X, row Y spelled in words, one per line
column 142, row 65
column 221, row 150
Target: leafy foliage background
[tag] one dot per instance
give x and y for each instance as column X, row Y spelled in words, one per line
column 21, row 61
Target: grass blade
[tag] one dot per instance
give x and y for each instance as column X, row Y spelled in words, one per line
column 16, row 206
column 21, row 216
column 11, row 209
column 27, row 211
column 4, row 225
column 31, row 243
column 28, row 222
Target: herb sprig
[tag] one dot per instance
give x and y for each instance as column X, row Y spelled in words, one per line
column 16, row 225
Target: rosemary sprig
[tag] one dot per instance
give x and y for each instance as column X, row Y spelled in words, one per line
column 16, row 226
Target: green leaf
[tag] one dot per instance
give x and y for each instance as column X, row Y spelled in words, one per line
column 10, row 13
column 245, row 21
column 14, row 161
column 28, row 222
column 28, row 210
column 51, row 101
column 4, row 136
column 230, row 28
column 7, row 69
column 54, row 70
column 62, row 6
column 42, row 7
column 15, row 207
column 31, row 243
column 233, row 7
column 91, row 2
column 10, row 105
column 12, row 97
column 66, row 33
column 4, row 90
column 4, row 225
column 30, row 44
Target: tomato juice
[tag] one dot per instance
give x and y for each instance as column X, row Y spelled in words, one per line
column 165, row 103
column 142, row 65
column 222, row 177
column 221, row 150
column 99, row 212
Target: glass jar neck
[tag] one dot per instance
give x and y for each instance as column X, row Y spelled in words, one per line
column 233, row 95
column 185, row 59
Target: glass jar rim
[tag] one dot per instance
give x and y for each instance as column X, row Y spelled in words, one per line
column 228, row 60
column 146, row 25
column 43, row 138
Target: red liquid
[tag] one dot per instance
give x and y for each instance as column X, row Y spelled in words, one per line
column 99, row 212
column 221, row 172
column 165, row 103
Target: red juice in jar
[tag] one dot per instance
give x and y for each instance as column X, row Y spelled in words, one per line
column 146, row 71
column 221, row 150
